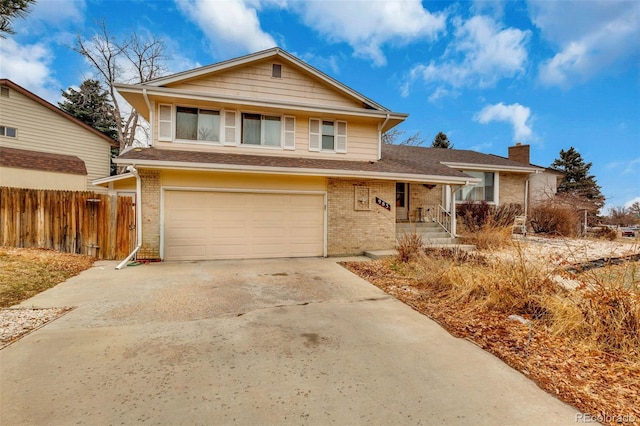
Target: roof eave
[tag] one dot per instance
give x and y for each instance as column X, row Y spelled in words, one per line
column 109, row 179
column 491, row 167
column 180, row 165
column 258, row 56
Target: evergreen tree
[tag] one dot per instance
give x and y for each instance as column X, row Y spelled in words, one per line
column 10, row 9
column 577, row 182
column 91, row 105
column 441, row 141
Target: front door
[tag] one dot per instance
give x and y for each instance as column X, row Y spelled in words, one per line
column 402, row 201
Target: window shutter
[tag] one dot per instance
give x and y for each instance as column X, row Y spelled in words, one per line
column 165, row 122
column 314, row 134
column 341, row 136
column 230, row 128
column 289, row 132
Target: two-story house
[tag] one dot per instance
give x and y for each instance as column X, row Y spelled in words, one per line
column 265, row 156
column 43, row 147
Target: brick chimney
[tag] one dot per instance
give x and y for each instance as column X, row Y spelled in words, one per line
column 519, row 153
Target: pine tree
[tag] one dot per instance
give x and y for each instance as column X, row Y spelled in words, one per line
column 577, row 182
column 441, row 141
column 91, row 104
column 10, row 9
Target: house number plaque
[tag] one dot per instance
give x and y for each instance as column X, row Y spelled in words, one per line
column 383, row 203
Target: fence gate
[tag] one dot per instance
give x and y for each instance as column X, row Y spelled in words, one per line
column 98, row 225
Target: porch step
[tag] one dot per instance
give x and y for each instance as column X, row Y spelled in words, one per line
column 431, row 232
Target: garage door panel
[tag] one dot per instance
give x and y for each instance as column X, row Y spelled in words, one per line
column 235, row 225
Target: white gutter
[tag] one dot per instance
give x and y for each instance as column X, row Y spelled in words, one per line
column 179, row 165
column 489, row 167
column 133, row 170
column 380, row 127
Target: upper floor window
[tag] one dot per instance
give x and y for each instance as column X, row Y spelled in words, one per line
column 482, row 191
column 327, row 135
column 10, row 132
column 197, row 124
column 226, row 127
column 263, row 130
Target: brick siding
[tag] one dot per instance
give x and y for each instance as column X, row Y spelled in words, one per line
column 352, row 229
column 512, row 188
column 150, row 181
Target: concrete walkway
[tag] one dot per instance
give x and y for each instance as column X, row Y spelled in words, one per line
column 252, row 342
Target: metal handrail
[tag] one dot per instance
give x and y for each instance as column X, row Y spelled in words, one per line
column 443, row 217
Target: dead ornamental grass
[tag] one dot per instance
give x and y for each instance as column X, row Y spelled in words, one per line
column 27, row 272
column 582, row 345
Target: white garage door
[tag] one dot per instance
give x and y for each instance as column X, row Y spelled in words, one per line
column 238, row 225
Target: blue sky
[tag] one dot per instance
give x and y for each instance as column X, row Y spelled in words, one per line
column 553, row 74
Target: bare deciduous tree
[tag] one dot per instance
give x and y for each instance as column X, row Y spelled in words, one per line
column 132, row 60
column 392, row 136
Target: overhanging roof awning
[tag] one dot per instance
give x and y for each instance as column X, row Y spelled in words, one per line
column 387, row 169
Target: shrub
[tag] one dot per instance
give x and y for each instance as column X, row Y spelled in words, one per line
column 410, row 246
column 554, row 219
column 606, row 233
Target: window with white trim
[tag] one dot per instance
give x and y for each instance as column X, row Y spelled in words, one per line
column 327, row 135
column 264, row 130
column 485, row 190
column 197, row 124
column 9, row 132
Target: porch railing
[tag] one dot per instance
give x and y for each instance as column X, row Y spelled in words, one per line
column 443, row 217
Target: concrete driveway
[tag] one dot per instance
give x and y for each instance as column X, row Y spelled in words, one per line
column 294, row 341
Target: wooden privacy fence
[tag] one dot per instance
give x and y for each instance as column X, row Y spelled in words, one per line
column 98, row 225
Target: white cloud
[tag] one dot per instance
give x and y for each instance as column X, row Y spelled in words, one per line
column 515, row 114
column 232, row 26
column 627, row 167
column 599, row 35
column 47, row 15
column 29, row 66
column 481, row 53
column 367, row 26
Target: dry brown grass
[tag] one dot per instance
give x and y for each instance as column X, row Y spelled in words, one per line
column 27, row 272
column 585, row 343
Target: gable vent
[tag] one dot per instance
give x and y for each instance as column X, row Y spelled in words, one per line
column 4, row 91
column 276, row 71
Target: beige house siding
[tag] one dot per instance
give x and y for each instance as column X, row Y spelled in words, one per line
column 38, row 179
column 542, row 187
column 512, row 188
column 40, row 129
column 362, row 137
column 353, row 226
column 255, row 80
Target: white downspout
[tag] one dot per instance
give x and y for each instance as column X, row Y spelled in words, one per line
column 151, row 116
column 380, row 127
column 133, row 170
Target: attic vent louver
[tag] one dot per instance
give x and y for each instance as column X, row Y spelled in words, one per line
column 276, row 71
column 5, row 91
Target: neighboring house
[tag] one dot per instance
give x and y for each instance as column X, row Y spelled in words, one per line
column 265, row 156
column 43, row 147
